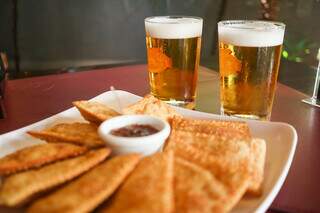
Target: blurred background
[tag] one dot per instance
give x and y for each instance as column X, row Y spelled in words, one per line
column 41, row 37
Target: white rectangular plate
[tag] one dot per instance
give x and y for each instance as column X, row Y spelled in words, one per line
column 281, row 144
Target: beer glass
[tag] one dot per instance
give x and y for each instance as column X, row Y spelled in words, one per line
column 173, row 53
column 249, row 59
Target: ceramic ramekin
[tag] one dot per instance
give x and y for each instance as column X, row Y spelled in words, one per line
column 145, row 145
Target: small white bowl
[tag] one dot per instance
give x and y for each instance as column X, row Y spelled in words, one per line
column 145, row 145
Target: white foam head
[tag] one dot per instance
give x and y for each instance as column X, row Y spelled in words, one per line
column 251, row 33
column 173, row 27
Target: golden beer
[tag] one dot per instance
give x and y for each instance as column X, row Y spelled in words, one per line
column 173, row 58
column 249, row 59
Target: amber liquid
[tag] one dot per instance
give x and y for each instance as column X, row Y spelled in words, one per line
column 173, row 69
column 248, row 77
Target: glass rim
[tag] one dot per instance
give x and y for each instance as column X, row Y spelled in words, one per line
column 149, row 19
column 229, row 24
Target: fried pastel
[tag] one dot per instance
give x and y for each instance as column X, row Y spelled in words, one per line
column 232, row 166
column 83, row 134
column 258, row 150
column 87, row 192
column 222, row 130
column 19, row 188
column 234, row 174
column 38, row 155
column 150, row 105
column 217, row 138
column 149, row 188
column 196, row 189
column 94, row 112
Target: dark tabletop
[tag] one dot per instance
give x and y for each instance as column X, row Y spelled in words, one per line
column 33, row 99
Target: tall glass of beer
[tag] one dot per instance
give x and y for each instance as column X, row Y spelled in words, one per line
column 249, row 59
column 173, row 53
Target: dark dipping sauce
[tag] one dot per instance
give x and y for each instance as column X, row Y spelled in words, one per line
column 134, row 130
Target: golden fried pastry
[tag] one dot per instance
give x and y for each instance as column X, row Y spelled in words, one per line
column 87, row 192
column 148, row 189
column 84, row 134
column 258, row 150
column 213, row 136
column 150, row 105
column 20, row 187
column 222, row 130
column 196, row 189
column 38, row 155
column 231, row 170
column 94, row 112
column 228, row 158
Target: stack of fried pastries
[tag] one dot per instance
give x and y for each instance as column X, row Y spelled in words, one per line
column 206, row 166
column 219, row 151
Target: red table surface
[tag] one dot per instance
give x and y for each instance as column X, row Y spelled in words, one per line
column 32, row 99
